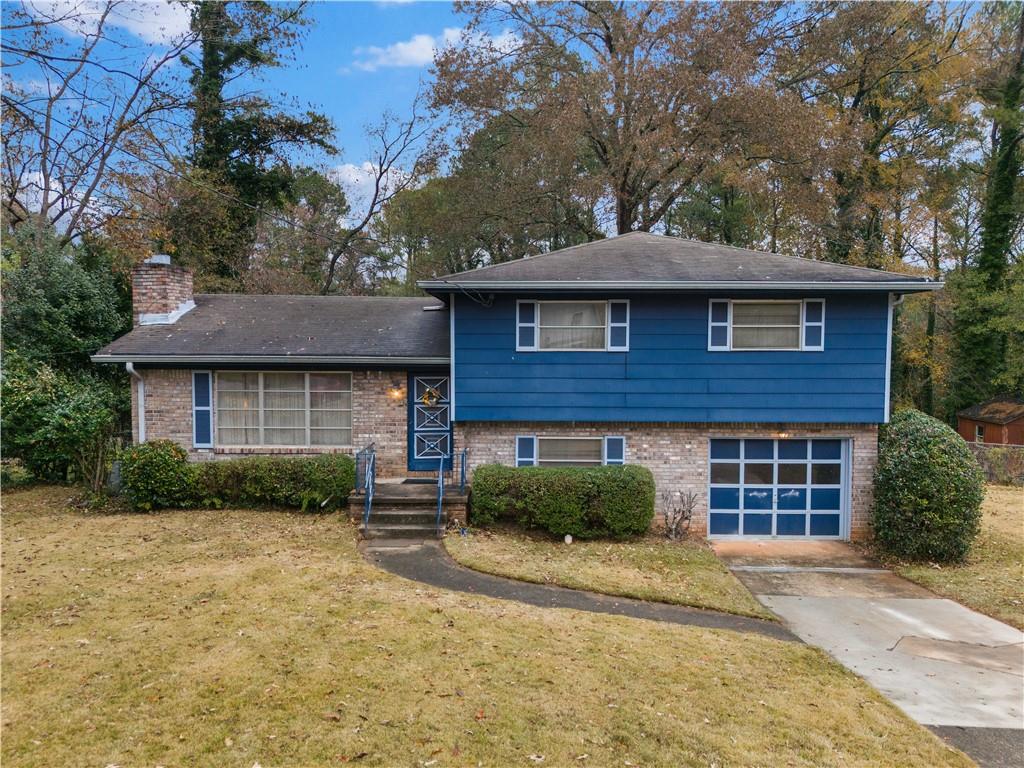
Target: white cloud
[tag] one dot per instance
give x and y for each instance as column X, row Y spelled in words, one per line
column 419, row 50
column 358, row 179
column 153, row 21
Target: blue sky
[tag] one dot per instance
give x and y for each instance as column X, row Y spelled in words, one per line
column 361, row 58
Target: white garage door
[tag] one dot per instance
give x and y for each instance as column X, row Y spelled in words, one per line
column 786, row 488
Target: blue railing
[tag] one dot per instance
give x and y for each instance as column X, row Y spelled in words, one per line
column 462, row 470
column 366, row 478
column 440, row 494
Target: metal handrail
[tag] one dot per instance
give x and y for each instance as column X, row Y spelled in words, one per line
column 462, row 469
column 440, row 494
column 366, row 465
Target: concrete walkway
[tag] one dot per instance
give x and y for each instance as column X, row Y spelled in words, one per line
column 950, row 668
column 429, row 563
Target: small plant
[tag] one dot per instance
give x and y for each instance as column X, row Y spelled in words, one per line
column 157, row 475
column 678, row 507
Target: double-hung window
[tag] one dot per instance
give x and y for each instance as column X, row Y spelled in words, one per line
column 546, row 451
column 735, row 325
column 284, row 409
column 572, row 326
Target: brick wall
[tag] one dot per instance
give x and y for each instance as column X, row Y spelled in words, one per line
column 159, row 288
column 378, row 416
column 677, row 454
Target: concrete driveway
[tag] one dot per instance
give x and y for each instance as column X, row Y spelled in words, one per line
column 950, row 668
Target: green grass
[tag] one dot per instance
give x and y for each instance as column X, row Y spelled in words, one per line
column 228, row 638
column 992, row 579
column 680, row 572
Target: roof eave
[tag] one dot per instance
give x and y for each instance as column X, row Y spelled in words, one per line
column 270, row 359
column 450, row 286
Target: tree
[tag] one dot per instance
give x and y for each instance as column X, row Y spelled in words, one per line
column 893, row 77
column 239, row 139
column 76, row 118
column 649, row 98
column 56, row 310
column 1002, row 89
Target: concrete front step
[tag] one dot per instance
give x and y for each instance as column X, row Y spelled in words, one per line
column 404, row 515
column 402, row 531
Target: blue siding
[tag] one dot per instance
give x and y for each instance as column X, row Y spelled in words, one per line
column 668, row 374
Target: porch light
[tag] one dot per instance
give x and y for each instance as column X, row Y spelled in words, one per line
column 395, row 392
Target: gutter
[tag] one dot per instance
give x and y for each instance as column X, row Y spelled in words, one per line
column 141, row 387
column 129, row 359
column 676, row 285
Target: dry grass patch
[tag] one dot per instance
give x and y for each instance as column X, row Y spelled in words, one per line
column 992, row 578
column 235, row 637
column 679, row 572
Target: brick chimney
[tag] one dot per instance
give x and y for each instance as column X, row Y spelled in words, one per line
column 161, row 291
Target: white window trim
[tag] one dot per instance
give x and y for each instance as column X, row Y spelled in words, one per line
column 262, row 444
column 979, row 433
column 604, row 448
column 536, row 326
column 207, row 408
column 802, row 347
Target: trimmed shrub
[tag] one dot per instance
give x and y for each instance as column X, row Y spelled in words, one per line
column 928, row 490
column 157, row 475
column 586, row 502
column 301, row 482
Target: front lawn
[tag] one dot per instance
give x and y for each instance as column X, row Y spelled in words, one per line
column 682, row 572
column 992, row 578
column 239, row 637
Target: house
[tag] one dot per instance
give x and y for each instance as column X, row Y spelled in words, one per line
column 999, row 421
column 756, row 379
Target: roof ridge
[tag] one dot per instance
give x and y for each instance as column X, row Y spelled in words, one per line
column 316, row 296
column 872, row 270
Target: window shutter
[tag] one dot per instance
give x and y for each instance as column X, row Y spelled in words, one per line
column 618, row 326
column 202, row 402
column 526, row 325
column 526, row 451
column 615, row 450
column 814, row 324
column 718, row 324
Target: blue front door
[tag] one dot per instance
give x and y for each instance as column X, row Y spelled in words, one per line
column 430, row 425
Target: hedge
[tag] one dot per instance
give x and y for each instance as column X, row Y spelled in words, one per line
column 158, row 475
column 586, row 502
column 928, row 490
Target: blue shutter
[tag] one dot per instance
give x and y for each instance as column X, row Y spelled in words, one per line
column 618, row 326
column 202, row 410
column 718, row 324
column 814, row 324
column 526, row 325
column 615, row 450
column 526, row 450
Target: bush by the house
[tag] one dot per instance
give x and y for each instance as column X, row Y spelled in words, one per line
column 61, row 425
column 586, row 502
column 928, row 490
column 158, row 475
column 306, row 483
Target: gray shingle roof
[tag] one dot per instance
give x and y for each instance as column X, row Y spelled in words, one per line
column 226, row 326
column 651, row 262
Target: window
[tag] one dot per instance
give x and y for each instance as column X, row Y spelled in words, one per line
column 284, row 409
column 766, row 325
column 979, row 433
column 202, row 429
column 572, row 326
column 569, row 451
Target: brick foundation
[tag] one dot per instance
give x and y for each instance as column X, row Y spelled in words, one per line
column 677, row 454
column 378, row 416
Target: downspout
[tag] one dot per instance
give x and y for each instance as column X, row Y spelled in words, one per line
column 894, row 301
column 141, row 389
